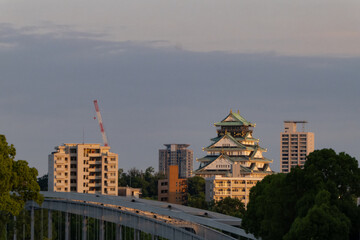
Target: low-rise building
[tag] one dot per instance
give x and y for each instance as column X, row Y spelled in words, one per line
column 129, row 192
column 172, row 189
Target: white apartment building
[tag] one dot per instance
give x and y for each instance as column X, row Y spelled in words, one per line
column 294, row 146
column 218, row 187
column 83, row 168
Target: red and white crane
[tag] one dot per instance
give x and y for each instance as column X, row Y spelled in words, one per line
column 100, row 123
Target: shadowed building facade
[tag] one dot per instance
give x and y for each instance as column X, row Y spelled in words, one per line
column 172, row 189
column 176, row 154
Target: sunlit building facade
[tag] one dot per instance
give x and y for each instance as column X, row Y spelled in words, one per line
column 294, row 145
column 83, row 168
column 234, row 162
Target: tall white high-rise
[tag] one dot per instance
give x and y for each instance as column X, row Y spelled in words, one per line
column 294, row 146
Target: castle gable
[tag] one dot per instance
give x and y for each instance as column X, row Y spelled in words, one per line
column 221, row 163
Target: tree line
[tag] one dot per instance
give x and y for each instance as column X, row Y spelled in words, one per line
column 316, row 202
column 146, row 180
column 18, row 184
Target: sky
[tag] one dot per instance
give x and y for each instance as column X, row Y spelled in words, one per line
column 165, row 71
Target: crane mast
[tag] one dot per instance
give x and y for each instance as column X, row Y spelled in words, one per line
column 100, row 123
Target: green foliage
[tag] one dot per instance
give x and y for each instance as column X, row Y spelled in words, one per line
column 43, row 182
column 196, row 185
column 271, row 208
column 196, row 193
column 317, row 202
column 197, row 201
column 17, row 183
column 323, row 221
column 147, row 181
column 196, row 198
column 229, row 206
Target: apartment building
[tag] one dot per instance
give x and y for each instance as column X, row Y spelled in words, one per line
column 83, row 168
column 177, row 154
column 172, row 189
column 218, row 187
column 294, row 145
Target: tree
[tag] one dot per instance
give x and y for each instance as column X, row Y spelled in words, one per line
column 196, row 193
column 43, row 182
column 196, row 185
column 229, row 206
column 147, row 181
column 17, row 183
column 287, row 204
column 340, row 176
column 271, row 208
column 322, row 221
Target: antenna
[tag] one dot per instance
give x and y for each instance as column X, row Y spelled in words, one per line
column 100, row 123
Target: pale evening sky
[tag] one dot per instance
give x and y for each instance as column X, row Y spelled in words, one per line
column 165, row 71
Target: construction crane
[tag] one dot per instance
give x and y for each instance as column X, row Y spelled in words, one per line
column 100, row 123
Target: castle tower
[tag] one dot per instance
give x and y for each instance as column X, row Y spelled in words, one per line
column 234, row 161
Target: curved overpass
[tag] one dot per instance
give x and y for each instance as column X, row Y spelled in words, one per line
column 170, row 221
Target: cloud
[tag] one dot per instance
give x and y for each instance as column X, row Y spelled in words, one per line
column 153, row 93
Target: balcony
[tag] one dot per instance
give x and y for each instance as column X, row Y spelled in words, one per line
column 110, row 177
column 91, row 162
column 94, row 177
column 222, row 193
column 60, row 176
column 60, row 184
column 62, row 161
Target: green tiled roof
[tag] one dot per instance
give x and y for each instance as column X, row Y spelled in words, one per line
column 215, row 172
column 261, row 160
column 237, row 139
column 228, row 135
column 211, row 158
column 244, row 169
column 239, row 121
column 229, row 148
column 207, row 158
